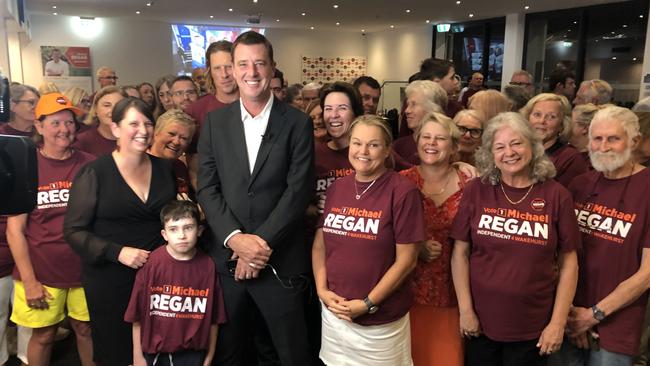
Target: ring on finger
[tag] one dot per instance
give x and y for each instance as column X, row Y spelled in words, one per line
column 252, row 265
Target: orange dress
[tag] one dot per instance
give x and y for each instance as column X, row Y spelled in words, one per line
column 435, row 329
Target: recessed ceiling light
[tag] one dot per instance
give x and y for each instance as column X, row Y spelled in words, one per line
column 614, row 58
column 230, row 10
column 575, row 22
column 337, row 24
column 641, row 16
column 471, row 15
column 277, row 20
column 55, row 13
column 427, row 21
column 137, row 12
column 392, row 26
column 633, row 58
column 335, row 6
column 149, row 3
column 458, row 2
column 53, row 6
column 211, row 16
column 408, row 10
column 255, row 1
column 303, row 14
column 312, row 28
column 363, row 30
column 526, row 7
column 624, row 25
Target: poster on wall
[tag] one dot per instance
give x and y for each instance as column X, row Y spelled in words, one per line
column 324, row 70
column 67, row 67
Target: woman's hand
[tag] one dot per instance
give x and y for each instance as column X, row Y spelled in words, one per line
column 133, row 257
column 467, row 169
column 430, row 251
column 36, row 295
column 551, row 339
column 469, row 324
column 333, row 302
column 356, row 308
column 139, row 360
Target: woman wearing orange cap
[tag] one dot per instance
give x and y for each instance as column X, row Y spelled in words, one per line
column 47, row 276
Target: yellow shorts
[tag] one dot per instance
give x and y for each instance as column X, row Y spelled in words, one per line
column 65, row 301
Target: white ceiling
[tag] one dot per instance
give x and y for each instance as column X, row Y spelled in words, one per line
column 353, row 15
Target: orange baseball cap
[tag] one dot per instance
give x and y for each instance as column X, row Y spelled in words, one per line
column 54, row 102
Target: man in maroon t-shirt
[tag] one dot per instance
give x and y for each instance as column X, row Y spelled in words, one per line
column 612, row 204
column 222, row 91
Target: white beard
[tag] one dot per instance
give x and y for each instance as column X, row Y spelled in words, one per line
column 610, row 161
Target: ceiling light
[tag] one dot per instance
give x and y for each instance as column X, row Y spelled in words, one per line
column 458, row 2
column 427, row 21
column 575, row 22
column 312, row 28
column 137, row 12
column 303, row 14
column 624, row 25
column 408, row 10
column 633, row 58
column 335, row 6
column 614, row 58
column 337, row 24
column 255, row 1
column 55, row 13
column 149, row 3
column 277, row 20
column 526, row 7
column 211, row 16
column 471, row 15
column 53, row 6
column 641, row 16
column 363, row 31
column 392, row 26
column 230, row 10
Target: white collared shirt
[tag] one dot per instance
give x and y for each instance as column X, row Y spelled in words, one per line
column 254, row 130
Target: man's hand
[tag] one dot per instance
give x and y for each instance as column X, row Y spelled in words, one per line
column 251, row 249
column 580, row 320
column 244, row 271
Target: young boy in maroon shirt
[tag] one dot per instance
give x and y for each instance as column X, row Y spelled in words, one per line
column 176, row 303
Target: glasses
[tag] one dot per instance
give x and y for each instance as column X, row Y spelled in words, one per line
column 109, row 77
column 473, row 132
column 276, row 90
column 184, row 93
column 31, row 102
column 520, row 83
column 545, row 117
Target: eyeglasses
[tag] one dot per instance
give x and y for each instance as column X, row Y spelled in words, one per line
column 473, row 132
column 31, row 102
column 109, row 77
column 520, row 83
column 545, row 117
column 276, row 90
column 184, row 93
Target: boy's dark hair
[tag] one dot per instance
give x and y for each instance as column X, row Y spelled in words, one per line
column 434, row 68
column 176, row 210
column 559, row 76
column 251, row 38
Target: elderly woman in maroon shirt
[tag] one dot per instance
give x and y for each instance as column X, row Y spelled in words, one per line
column 514, row 262
column 550, row 116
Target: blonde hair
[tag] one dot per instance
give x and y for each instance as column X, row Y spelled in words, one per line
column 584, row 113
column 175, row 116
column 48, row 87
column 372, row 120
column 75, row 94
column 472, row 113
column 91, row 118
column 599, row 89
column 490, row 102
column 434, row 95
column 443, row 121
column 565, row 110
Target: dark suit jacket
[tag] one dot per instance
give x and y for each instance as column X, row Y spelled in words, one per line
column 271, row 201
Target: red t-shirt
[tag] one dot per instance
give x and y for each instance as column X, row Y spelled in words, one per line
column 6, row 260
column 568, row 162
column 199, row 110
column 176, row 302
column 432, row 283
column 614, row 219
column 406, row 148
column 330, row 165
column 55, row 263
column 361, row 235
column 513, row 254
column 93, row 143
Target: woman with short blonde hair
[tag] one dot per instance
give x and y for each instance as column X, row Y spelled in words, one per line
column 489, row 102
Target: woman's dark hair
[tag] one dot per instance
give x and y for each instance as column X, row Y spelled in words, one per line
column 123, row 106
column 347, row 89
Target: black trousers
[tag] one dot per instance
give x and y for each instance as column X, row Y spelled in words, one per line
column 282, row 309
column 482, row 351
column 180, row 358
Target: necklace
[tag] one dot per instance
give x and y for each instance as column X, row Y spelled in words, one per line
column 65, row 156
column 444, row 187
column 522, row 198
column 356, row 190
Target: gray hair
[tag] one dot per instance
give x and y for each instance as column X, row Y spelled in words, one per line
column 524, row 72
column 642, row 106
column 599, row 89
column 312, row 86
column 625, row 117
column 542, row 168
column 434, row 95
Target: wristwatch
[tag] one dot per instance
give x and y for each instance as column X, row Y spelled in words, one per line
column 372, row 308
column 598, row 314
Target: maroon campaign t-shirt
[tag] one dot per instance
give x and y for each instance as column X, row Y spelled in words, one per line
column 176, row 302
column 361, row 235
column 199, row 110
column 513, row 254
column 330, row 165
column 614, row 219
column 6, row 260
column 93, row 143
column 406, row 148
column 568, row 162
column 55, row 263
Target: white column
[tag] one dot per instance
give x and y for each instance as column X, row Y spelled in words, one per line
column 513, row 46
column 644, row 90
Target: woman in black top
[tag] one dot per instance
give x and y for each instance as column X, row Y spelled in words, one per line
column 113, row 223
